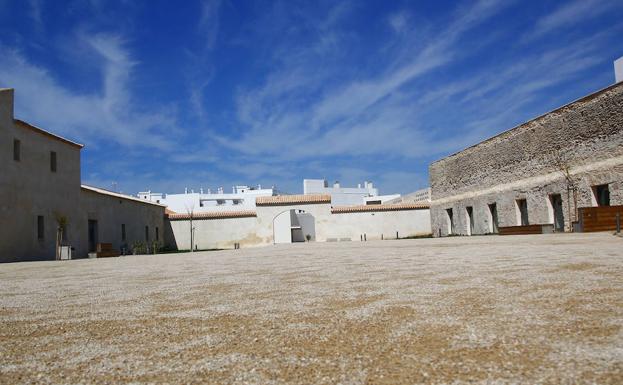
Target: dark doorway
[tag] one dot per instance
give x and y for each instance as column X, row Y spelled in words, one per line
column 559, row 219
column 92, row 235
column 450, row 222
column 602, row 195
column 493, row 211
column 522, row 206
column 470, row 219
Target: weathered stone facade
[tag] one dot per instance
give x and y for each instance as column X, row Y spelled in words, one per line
column 585, row 138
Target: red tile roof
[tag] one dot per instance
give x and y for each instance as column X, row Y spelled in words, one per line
column 214, row 215
column 281, row 200
column 377, row 208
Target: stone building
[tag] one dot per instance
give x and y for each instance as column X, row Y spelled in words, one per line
column 540, row 172
column 41, row 191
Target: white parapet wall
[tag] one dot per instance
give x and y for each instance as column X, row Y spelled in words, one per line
column 285, row 219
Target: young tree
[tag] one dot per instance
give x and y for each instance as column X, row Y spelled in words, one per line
column 560, row 160
column 61, row 226
column 190, row 211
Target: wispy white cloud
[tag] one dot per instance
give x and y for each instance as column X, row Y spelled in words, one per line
column 108, row 113
column 399, row 21
column 570, row 14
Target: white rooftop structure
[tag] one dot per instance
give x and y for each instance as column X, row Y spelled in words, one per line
column 205, row 201
column 618, row 70
column 341, row 196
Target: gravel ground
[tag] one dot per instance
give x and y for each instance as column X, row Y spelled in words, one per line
column 523, row 309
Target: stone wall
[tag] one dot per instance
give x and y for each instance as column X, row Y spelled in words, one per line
column 585, row 137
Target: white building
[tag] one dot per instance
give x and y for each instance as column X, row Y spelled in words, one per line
column 205, row 201
column 343, row 196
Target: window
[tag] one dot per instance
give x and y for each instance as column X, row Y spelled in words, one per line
column 522, row 212
column 17, row 144
column 602, row 195
column 147, row 233
column 157, row 234
column 53, row 161
column 40, row 227
column 123, row 232
column 450, row 222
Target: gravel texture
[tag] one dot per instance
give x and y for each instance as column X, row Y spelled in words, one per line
column 523, row 309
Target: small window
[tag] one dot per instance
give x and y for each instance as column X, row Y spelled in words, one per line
column 17, row 144
column 123, row 232
column 53, row 161
column 602, row 195
column 40, row 227
column 157, row 234
column 147, row 233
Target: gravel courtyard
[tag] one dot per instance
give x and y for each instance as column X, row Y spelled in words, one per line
column 523, row 309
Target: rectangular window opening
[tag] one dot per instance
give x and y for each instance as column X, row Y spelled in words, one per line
column 602, row 195
column 53, row 161
column 40, row 227
column 123, row 238
column 17, row 147
column 157, row 234
column 147, row 233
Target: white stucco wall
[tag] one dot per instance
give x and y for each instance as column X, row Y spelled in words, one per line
column 215, row 233
column 315, row 220
column 377, row 225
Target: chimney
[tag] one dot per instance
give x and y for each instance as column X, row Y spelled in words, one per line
column 336, row 184
column 6, row 104
column 185, row 190
column 618, row 70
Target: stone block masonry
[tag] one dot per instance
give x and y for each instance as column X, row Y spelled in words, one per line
column 568, row 158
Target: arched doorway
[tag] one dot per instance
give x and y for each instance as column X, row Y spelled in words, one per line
column 293, row 225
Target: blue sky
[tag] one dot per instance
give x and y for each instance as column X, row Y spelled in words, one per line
column 213, row 93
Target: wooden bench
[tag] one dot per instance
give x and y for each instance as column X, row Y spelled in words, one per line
column 105, row 250
column 603, row 218
column 527, row 229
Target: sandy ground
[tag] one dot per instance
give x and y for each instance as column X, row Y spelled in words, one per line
column 523, row 309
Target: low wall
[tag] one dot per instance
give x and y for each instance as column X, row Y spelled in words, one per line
column 220, row 232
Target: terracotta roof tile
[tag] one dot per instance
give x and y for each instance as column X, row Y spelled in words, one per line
column 377, row 208
column 214, row 215
column 292, row 199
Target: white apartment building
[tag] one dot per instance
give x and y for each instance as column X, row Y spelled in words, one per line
column 345, row 196
column 206, row 201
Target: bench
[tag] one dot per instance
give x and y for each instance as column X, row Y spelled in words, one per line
column 105, row 250
column 527, row 229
